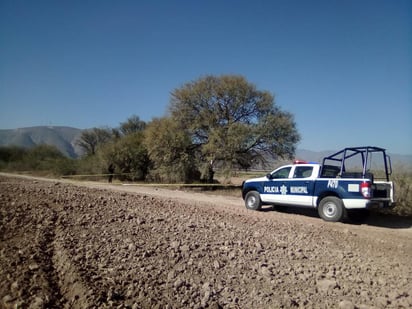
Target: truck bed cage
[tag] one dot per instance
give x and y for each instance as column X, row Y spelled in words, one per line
column 365, row 152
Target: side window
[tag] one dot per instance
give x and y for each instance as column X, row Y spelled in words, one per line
column 303, row 172
column 330, row 171
column 282, row 173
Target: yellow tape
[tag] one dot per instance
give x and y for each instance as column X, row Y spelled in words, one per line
column 94, row 175
column 181, row 185
column 155, row 184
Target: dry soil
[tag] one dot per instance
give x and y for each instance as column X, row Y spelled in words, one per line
column 89, row 245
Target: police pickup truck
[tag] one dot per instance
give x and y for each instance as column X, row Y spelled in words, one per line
column 350, row 181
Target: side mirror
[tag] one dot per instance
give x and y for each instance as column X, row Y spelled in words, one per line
column 269, row 176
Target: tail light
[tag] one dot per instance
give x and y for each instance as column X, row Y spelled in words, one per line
column 366, row 189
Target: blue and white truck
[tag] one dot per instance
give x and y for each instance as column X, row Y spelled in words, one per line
column 348, row 182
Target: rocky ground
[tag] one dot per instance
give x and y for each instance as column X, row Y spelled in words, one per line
column 66, row 245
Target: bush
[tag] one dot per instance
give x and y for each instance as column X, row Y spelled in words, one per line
column 89, row 165
column 127, row 156
column 171, row 153
column 39, row 159
column 403, row 192
column 11, row 153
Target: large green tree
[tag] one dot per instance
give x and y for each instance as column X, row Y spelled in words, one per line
column 232, row 123
column 127, row 156
column 91, row 139
column 132, row 125
column 171, row 152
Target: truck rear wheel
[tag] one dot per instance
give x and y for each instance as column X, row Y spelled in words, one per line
column 331, row 209
column 252, row 200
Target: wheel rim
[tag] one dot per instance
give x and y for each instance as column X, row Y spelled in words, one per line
column 330, row 210
column 251, row 201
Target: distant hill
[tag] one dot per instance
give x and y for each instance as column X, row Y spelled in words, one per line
column 64, row 138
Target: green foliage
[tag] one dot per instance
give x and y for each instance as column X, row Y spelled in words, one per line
column 169, row 149
column 132, row 125
column 91, row 139
column 403, row 192
column 90, row 165
column 128, row 156
column 11, row 154
column 231, row 122
column 42, row 158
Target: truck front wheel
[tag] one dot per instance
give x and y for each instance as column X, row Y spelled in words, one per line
column 331, row 209
column 252, row 200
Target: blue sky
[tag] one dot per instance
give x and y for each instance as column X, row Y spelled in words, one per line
column 343, row 68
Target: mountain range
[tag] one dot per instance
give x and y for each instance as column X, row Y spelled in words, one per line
column 64, row 138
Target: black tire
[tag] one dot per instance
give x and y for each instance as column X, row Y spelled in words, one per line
column 331, row 209
column 252, row 201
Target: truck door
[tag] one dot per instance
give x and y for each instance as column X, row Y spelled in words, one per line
column 301, row 186
column 275, row 188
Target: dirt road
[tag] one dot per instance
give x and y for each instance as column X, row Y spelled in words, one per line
column 89, row 245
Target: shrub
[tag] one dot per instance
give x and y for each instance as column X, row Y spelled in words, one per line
column 403, row 192
column 39, row 159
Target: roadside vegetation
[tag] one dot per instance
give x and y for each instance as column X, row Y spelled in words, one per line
column 402, row 177
column 44, row 160
column 216, row 126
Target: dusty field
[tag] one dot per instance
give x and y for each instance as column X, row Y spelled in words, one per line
column 98, row 246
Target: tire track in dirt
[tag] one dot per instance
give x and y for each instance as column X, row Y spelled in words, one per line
column 70, row 283
column 33, row 280
column 43, row 274
column 45, row 259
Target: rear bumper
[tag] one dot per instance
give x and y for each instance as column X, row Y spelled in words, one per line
column 368, row 204
column 380, row 203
